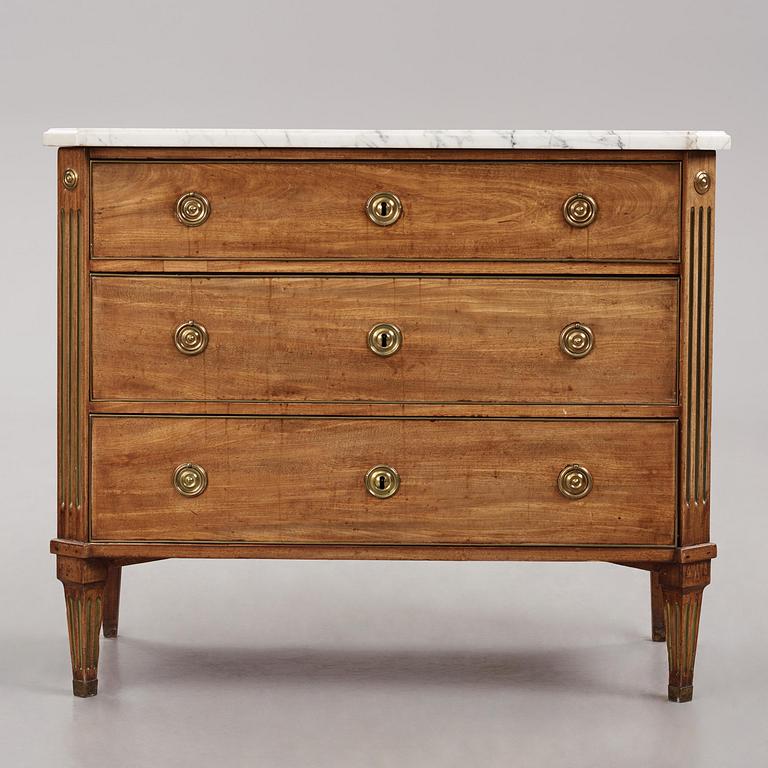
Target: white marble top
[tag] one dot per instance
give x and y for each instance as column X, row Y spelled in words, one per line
column 398, row 139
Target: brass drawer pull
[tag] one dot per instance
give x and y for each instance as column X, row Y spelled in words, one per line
column 384, row 208
column 384, row 339
column 190, row 479
column 580, row 210
column 577, row 340
column 190, row 338
column 574, row 481
column 382, row 481
column 192, row 209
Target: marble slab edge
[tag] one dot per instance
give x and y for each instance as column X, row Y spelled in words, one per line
column 385, row 139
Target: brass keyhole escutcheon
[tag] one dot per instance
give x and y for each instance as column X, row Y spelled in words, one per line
column 193, row 209
column 574, row 481
column 190, row 479
column 384, row 339
column 190, row 338
column 580, row 210
column 384, row 208
column 382, row 481
column 577, row 340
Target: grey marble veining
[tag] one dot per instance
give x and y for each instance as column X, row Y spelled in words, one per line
column 394, row 139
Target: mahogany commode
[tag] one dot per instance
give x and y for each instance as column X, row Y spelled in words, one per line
column 366, row 345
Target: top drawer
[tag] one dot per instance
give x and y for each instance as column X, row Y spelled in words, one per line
column 449, row 211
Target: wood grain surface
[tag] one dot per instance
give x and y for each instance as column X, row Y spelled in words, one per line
column 467, row 210
column 73, row 344
column 464, row 340
column 697, row 291
column 379, row 409
column 467, row 267
column 300, row 481
column 146, row 551
column 367, row 154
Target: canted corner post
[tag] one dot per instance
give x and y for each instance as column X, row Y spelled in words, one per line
column 84, row 581
column 682, row 586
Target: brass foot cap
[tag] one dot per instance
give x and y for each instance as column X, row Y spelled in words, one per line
column 85, row 688
column 658, row 636
column 110, row 630
column 680, row 693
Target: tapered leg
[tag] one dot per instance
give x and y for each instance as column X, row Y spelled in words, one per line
column 112, row 600
column 682, row 586
column 84, row 582
column 658, row 634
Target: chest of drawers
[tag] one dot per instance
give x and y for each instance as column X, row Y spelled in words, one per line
column 404, row 345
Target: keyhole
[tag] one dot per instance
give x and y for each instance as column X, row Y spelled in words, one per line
column 384, row 340
column 382, row 482
column 383, row 209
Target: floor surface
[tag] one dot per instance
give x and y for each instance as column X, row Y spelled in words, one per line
column 383, row 664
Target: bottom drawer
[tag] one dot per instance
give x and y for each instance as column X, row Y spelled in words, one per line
column 461, row 481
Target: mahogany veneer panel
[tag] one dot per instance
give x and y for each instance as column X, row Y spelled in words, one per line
column 465, row 210
column 305, row 339
column 463, row 481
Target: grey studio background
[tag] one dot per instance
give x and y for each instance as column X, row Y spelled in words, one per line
column 381, row 664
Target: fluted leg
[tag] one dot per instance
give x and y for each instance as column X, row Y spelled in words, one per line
column 682, row 586
column 112, row 600
column 84, row 582
column 658, row 634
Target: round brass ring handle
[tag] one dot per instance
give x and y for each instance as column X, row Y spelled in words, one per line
column 190, row 479
column 580, row 210
column 384, row 339
column 574, row 481
column 193, row 209
column 577, row 340
column 384, row 208
column 190, row 338
column 382, row 481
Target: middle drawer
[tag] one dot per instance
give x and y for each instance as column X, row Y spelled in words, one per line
column 305, row 339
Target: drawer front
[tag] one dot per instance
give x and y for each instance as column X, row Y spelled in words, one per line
column 307, row 339
column 303, row 480
column 464, row 211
